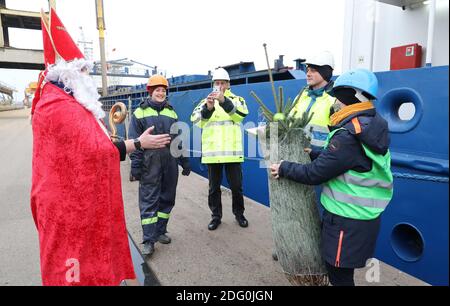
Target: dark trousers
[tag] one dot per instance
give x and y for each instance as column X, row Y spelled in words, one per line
column 157, row 191
column 234, row 177
column 340, row 276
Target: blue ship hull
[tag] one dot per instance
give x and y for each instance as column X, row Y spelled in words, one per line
column 415, row 234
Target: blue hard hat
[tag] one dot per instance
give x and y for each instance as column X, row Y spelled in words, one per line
column 361, row 79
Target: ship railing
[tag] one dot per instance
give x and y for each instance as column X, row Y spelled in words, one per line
column 131, row 103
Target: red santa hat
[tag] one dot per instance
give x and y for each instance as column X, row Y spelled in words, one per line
column 58, row 45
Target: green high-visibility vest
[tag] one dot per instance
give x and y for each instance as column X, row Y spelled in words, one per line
column 318, row 126
column 361, row 196
column 222, row 133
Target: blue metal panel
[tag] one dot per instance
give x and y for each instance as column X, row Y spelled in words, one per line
column 430, row 136
column 182, row 79
column 420, row 165
column 423, row 251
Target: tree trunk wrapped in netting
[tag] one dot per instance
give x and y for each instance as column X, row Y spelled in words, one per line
column 295, row 218
column 295, row 215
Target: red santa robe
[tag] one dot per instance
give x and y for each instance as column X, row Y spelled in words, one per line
column 76, row 196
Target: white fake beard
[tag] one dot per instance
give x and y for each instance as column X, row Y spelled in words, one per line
column 81, row 85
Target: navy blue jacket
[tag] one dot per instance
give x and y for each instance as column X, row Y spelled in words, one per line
column 162, row 125
column 344, row 151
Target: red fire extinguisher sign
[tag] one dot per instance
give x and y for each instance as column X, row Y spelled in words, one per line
column 406, row 57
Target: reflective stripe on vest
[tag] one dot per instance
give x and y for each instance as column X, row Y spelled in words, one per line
column 363, row 181
column 150, row 112
column 354, row 200
column 220, row 123
column 223, row 154
column 317, row 133
column 222, row 159
column 317, row 143
column 356, row 195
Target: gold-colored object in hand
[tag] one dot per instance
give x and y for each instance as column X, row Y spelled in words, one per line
column 117, row 115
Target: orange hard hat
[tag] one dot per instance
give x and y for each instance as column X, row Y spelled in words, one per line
column 157, row 80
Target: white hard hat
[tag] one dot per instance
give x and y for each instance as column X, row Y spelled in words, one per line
column 322, row 59
column 221, row 74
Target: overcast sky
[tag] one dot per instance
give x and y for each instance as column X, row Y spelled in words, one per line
column 194, row 36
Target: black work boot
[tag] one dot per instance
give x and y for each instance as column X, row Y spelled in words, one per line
column 164, row 239
column 149, row 249
column 242, row 221
column 214, row 224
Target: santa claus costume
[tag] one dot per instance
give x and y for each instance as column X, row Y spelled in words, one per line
column 76, row 196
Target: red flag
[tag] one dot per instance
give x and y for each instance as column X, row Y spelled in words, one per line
column 49, row 50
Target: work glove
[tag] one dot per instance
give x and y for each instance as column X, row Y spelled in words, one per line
column 186, row 171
